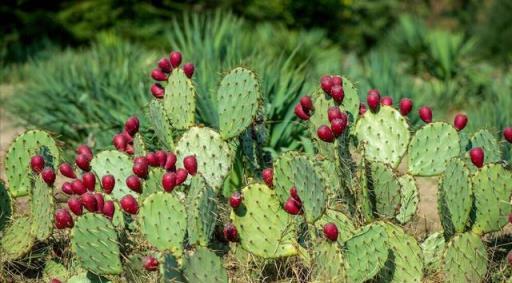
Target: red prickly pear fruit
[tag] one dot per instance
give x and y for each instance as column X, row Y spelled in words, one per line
column 295, row 195
column 67, row 188
column 129, row 204
column 89, row 181
column 334, row 112
column 165, row 65
column 169, row 181
column 507, row 134
column 337, row 93
column 55, row 280
column 119, row 141
column 425, row 114
column 405, row 106
column 78, row 187
column 235, row 200
column 37, row 163
column 107, row 183
column 108, row 209
column 140, row 159
column 230, row 232
column 337, row 80
column 509, row 257
column 152, row 159
column 362, row 108
column 150, row 263
column 48, row 176
column 387, row 100
column 89, row 202
column 268, row 176
column 157, row 90
column 374, row 91
column 158, row 75
column 63, row 219
column 331, row 231
column 188, row 69
column 181, row 176
column 175, row 58
column 510, row 218
column 132, row 125
column 141, row 169
column 133, row 182
column 460, row 121
column 170, row 161
column 84, row 149
column 75, row 205
column 190, row 163
column 83, row 161
column 338, row 126
column 326, row 84
column 128, row 137
column 291, row 206
column 325, row 133
column 66, row 170
column 373, row 100
column 299, row 112
column 162, row 157
column 100, row 201
column 306, row 103
column 477, row 156
column 129, row 149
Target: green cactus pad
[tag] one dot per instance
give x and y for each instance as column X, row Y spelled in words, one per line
column 465, row 259
column 5, row 206
column 87, row 277
column 321, row 102
column 386, row 190
column 328, row 263
column 264, row 227
column 293, row 169
column 366, row 252
column 42, row 205
column 351, row 101
column 491, row 189
column 465, row 143
column 170, row 270
column 204, row 266
column 17, row 239
column 180, row 100
column 55, row 270
column 363, row 199
column 432, row 249
column 153, row 183
column 455, row 197
column 409, row 198
column 201, row 211
column 431, row 148
column 345, row 226
column 94, row 241
column 17, row 159
column 386, row 135
column 117, row 164
column 486, row 140
column 214, row 156
column 138, row 145
column 161, row 124
column 238, row 101
column 163, row 222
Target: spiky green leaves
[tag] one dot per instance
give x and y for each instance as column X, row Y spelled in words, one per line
column 161, row 124
column 465, row 259
column 204, row 266
column 386, row 135
column 5, row 205
column 409, row 198
column 118, row 164
column 386, row 190
column 264, row 228
column 345, row 226
column 180, row 100
column 201, row 211
column 17, row 239
column 17, row 159
column 42, row 205
column 328, row 263
column 431, row 147
column 238, row 101
column 94, row 241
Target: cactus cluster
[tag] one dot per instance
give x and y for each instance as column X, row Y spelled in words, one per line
column 134, row 214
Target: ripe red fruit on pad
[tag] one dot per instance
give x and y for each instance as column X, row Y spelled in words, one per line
column 158, row 75
column 157, row 90
column 331, row 231
column 268, row 176
column 188, row 69
column 387, row 100
column 374, row 91
column 63, row 219
column 165, row 65
column 169, row 181
column 141, row 169
column 337, row 93
column 75, row 205
column 362, row 108
column 325, row 133
column 507, row 134
column 306, row 103
column 89, row 202
column 181, row 176
column 190, row 163
column 108, row 209
column 337, row 80
column 66, row 170
column 152, row 159
column 299, row 112
column 162, row 157
column 291, row 206
column 373, row 100
column 129, row 204
column 131, row 126
column 295, row 195
column 230, row 232
column 67, row 188
column 170, row 161
column 84, row 149
column 334, row 112
column 338, row 126
column 78, row 187
column 48, row 176
column 326, row 84
column 128, row 137
column 119, row 141
column 89, row 181
column 107, row 183
column 175, row 58
column 460, row 121
column 477, row 156
column 235, row 200
column 405, row 106
column 150, row 263
column 83, row 161
column 100, row 201
column 425, row 114
column 55, row 280
column 140, row 159
column 37, row 163
column 133, row 182
column 129, row 149
column 510, row 218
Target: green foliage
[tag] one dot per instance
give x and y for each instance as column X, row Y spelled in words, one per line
column 465, row 258
column 5, row 205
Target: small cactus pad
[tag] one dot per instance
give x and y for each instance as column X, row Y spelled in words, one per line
column 386, row 190
column 17, row 159
column 17, row 239
column 117, row 164
column 5, row 206
column 94, row 241
column 487, row 141
column 238, row 101
column 42, row 205
column 363, row 194
column 204, row 266
column 293, row 169
column 351, row 101
column 455, row 197
column 163, row 222
column 153, row 183
column 263, row 226
column 432, row 249
column 201, row 211
column 345, row 226
column 465, row 259
column 180, row 100
column 138, row 145
column 386, row 135
column 366, row 252
column 87, row 277
column 53, row 269
column 170, row 270
column 431, row 147
column 214, row 156
column 491, row 189
column 409, row 199
column 161, row 124
column 328, row 263
column 322, row 102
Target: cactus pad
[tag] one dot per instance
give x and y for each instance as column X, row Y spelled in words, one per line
column 328, row 263
column 409, row 199
column 87, row 277
column 263, row 226
column 432, row 249
column 5, row 206
column 17, row 239
column 431, row 148
column 17, row 159
column 351, row 101
column 94, row 241
column 487, row 141
column 345, row 226
column 201, row 211
column 170, row 270
column 117, row 164
column 491, row 189
column 138, row 145
column 161, row 124
column 322, row 102
column 214, row 156
column 42, row 205
column 163, row 222
column 153, row 183
column 180, row 100
column 238, row 101
column 53, row 269
column 465, row 259
column 386, row 190
column 386, row 135
column 204, row 266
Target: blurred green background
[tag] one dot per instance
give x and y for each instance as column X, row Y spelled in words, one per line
column 79, row 68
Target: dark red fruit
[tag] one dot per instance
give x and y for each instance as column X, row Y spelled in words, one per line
column 338, row 126
column 63, row 219
column 334, row 112
column 181, row 176
column 108, row 209
column 326, row 84
column 268, row 176
column 331, row 231
column 132, row 125
column 387, row 100
column 307, row 103
column 295, row 195
column 162, row 157
column 133, row 182
column 158, row 75
column 170, row 161
column 425, row 114
column 373, row 100
column 119, row 141
column 141, row 169
column 507, row 134
column 140, row 159
column 169, row 181
column 510, row 218
column 157, row 90
column 235, row 200
column 66, row 170
column 230, row 232
column 165, row 65
column 89, row 181
column 291, row 206
column 37, row 163
column 83, row 161
column 405, row 106
column 100, row 201
column 67, row 188
column 48, row 176
column 188, row 69
column 89, row 202
column 337, row 93
column 129, row 204
column 107, row 183
column 75, row 205
column 299, row 112
column 78, row 187
column 460, row 121
column 152, row 159
column 84, row 149
column 477, row 156
column 128, row 137
column 150, row 263
column 129, row 149
column 362, row 108
column 337, row 80
column 374, row 91
column 175, row 58
column 55, row 280
column 190, row 163
column 325, row 133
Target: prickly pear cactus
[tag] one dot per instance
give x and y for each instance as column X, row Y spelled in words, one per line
column 5, row 206
column 180, row 100
column 117, row 164
column 139, row 145
column 345, row 226
column 161, row 124
column 204, row 266
column 95, row 244
column 42, row 207
column 465, row 259
column 153, row 183
column 351, row 101
column 487, row 141
column 201, row 211
column 409, row 198
column 386, row 189
column 88, row 277
column 55, row 270
column 170, row 269
column 17, row 159
column 17, row 239
column 265, row 229
column 328, row 263
column 432, row 249
column 321, row 102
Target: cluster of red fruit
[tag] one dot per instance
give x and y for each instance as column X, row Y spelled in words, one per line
column 124, row 140
column 165, row 67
